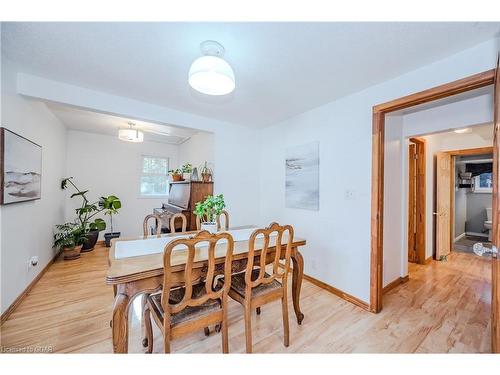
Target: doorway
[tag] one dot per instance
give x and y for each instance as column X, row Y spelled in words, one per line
column 491, row 77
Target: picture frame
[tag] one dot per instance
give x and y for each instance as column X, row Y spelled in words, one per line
column 20, row 168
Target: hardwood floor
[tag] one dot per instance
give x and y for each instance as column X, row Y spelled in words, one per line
column 444, row 307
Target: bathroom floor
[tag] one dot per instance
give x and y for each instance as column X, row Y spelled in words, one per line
column 465, row 244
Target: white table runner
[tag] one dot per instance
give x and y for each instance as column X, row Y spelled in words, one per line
column 155, row 245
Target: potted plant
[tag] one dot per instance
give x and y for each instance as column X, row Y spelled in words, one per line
column 187, row 169
column 208, row 210
column 70, row 238
column 206, row 173
column 110, row 205
column 176, row 174
column 86, row 215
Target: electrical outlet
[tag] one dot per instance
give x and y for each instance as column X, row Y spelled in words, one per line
column 350, row 195
column 33, row 262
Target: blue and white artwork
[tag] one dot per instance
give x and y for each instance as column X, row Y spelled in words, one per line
column 302, row 176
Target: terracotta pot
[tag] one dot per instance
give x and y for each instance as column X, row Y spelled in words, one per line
column 72, row 252
column 206, row 177
column 177, row 177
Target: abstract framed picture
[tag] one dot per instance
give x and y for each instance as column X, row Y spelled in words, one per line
column 302, row 176
column 20, row 168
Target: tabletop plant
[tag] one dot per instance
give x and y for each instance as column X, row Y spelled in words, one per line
column 210, row 208
column 176, row 174
column 187, row 168
column 206, row 173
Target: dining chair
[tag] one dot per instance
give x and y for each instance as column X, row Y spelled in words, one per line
column 157, row 227
column 217, row 220
column 191, row 302
column 175, row 217
column 226, row 220
column 255, row 287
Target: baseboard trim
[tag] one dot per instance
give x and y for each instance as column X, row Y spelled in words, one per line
column 459, row 237
column 428, row 260
column 338, row 292
column 395, row 283
column 25, row 292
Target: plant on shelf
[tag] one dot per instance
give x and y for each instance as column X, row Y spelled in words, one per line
column 208, row 210
column 86, row 214
column 206, row 173
column 69, row 238
column 187, row 169
column 176, row 174
column 110, row 205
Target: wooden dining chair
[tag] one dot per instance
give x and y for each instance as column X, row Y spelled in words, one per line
column 226, row 220
column 255, row 287
column 191, row 302
column 157, row 227
column 175, row 217
column 217, row 220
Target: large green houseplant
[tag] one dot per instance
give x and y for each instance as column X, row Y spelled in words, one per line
column 86, row 214
column 110, row 205
column 208, row 210
column 69, row 238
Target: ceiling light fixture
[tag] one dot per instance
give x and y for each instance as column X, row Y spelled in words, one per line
column 461, row 131
column 131, row 134
column 210, row 74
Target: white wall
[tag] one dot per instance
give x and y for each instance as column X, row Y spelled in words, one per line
column 338, row 235
column 27, row 228
column 198, row 149
column 105, row 165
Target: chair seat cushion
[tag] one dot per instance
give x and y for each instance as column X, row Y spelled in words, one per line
column 190, row 312
column 238, row 284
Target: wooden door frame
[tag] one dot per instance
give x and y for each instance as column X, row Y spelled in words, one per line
column 421, row 185
column 453, row 153
column 379, row 111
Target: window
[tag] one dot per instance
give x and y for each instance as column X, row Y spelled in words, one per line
column 483, row 183
column 154, row 176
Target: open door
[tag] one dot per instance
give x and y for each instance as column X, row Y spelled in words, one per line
column 495, row 266
column 443, row 203
column 416, row 200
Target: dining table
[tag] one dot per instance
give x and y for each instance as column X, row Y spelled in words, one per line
column 136, row 268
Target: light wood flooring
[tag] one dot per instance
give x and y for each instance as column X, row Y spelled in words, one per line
column 444, row 307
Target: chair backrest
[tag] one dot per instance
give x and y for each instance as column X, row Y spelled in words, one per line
column 217, row 220
column 186, row 248
column 157, row 227
column 274, row 243
column 172, row 222
column 226, row 221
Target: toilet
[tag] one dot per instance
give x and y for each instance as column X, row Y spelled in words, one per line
column 488, row 223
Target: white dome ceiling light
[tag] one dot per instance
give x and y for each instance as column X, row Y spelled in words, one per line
column 210, row 74
column 131, row 134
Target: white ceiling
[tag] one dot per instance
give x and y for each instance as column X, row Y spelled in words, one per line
column 101, row 123
column 281, row 69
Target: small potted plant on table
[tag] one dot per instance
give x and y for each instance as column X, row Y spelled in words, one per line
column 208, row 210
column 206, row 173
column 176, row 174
column 187, row 169
column 70, row 238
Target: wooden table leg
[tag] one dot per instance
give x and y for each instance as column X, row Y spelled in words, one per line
column 120, row 323
column 298, row 273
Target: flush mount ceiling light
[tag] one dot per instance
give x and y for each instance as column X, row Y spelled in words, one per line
column 131, row 134
column 210, row 74
column 461, row 131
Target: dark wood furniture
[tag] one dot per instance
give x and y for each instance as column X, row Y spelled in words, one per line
column 183, row 196
column 255, row 287
column 188, row 300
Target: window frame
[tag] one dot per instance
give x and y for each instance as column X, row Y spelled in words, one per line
column 141, row 174
column 481, row 190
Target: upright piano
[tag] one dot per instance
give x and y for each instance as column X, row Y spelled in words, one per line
column 182, row 197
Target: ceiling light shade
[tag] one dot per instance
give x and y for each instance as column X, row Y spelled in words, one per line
column 461, row 131
column 211, row 74
column 131, row 135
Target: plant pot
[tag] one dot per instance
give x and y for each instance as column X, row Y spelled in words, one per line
column 186, row 176
column 91, row 241
column 209, row 227
column 177, row 177
column 109, row 236
column 206, row 177
column 70, row 253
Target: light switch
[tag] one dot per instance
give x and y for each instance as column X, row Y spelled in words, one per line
column 350, row 195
